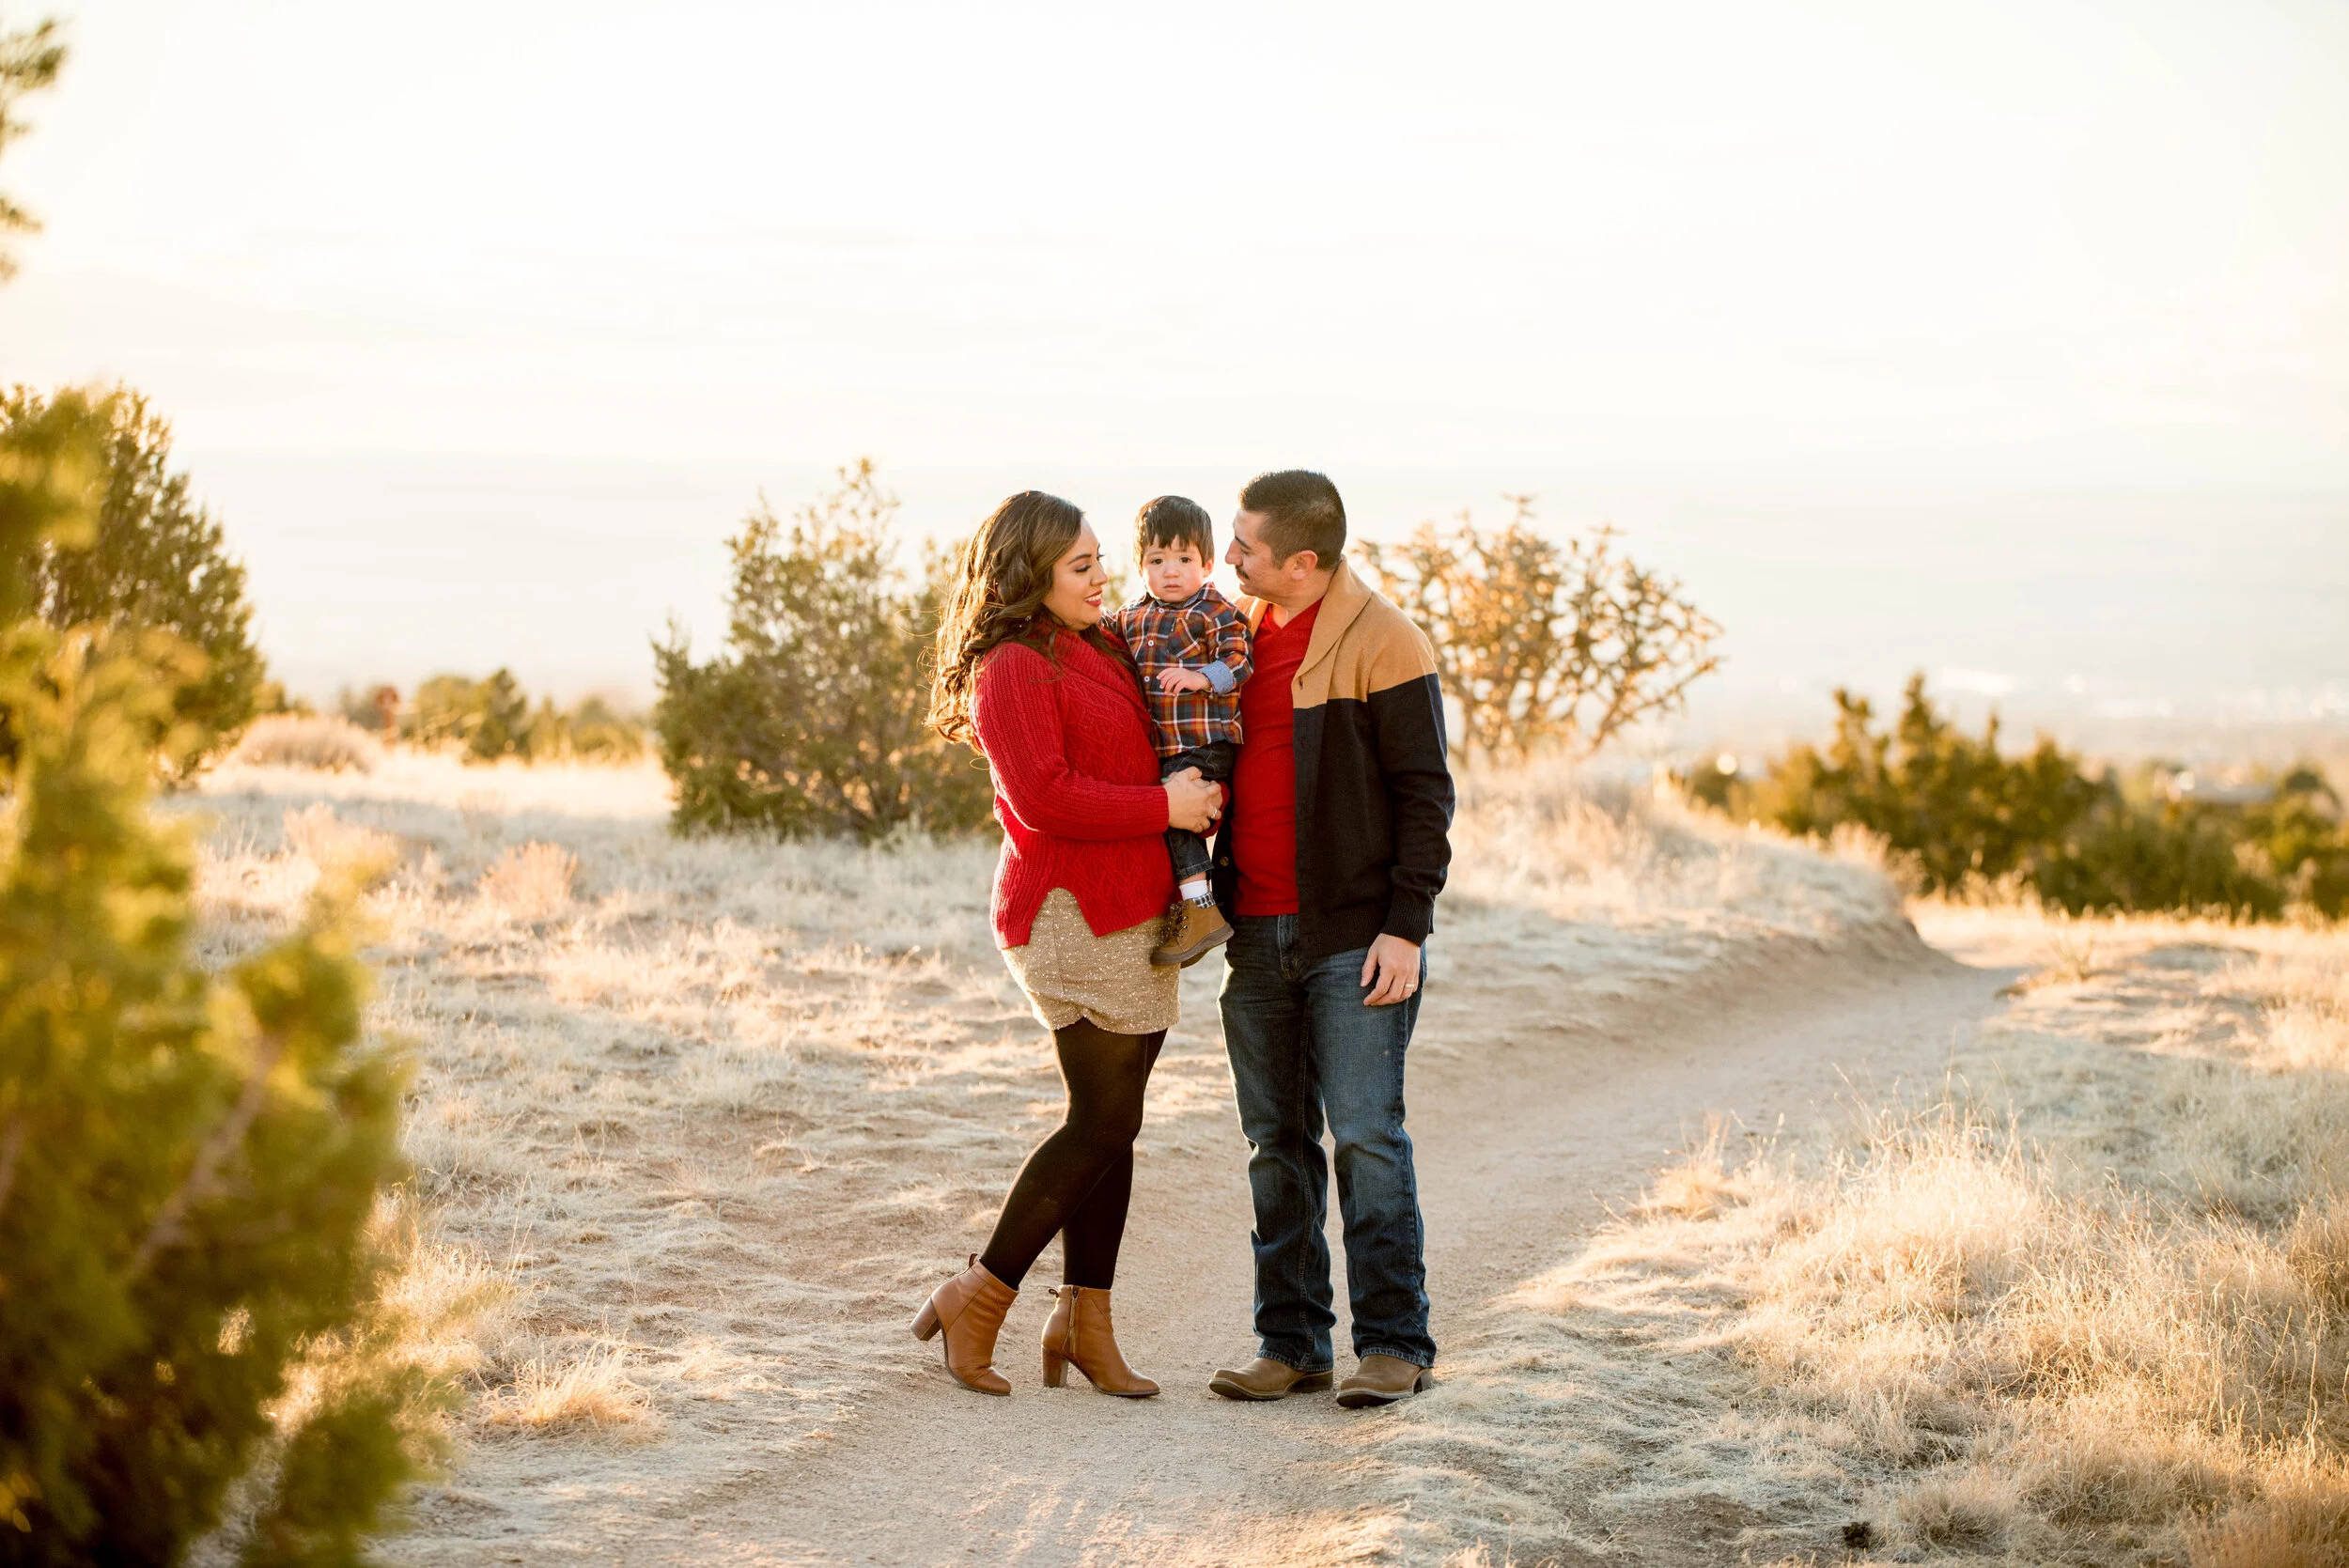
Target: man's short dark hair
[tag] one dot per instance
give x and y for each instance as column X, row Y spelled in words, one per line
column 1175, row 519
column 1301, row 511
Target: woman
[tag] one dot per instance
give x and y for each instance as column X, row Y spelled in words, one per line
column 1026, row 676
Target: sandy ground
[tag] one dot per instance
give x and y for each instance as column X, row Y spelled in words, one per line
column 1532, row 1123
column 716, row 1117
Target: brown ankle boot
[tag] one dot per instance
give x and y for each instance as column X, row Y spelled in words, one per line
column 1079, row 1331
column 970, row 1308
column 1193, row 931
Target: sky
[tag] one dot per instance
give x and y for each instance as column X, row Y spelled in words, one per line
column 2006, row 340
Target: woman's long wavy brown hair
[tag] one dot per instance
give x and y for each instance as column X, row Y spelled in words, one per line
column 1002, row 575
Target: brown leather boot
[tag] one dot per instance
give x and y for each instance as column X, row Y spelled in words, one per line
column 1383, row 1380
column 1193, row 931
column 970, row 1308
column 1266, row 1378
column 1079, row 1331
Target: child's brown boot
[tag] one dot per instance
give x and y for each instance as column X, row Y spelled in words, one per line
column 1196, row 929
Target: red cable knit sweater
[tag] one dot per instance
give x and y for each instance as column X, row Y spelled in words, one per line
column 1075, row 787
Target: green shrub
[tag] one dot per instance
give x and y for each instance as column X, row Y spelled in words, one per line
column 2129, row 857
column 487, row 718
column 272, row 698
column 154, row 559
column 594, row 730
column 493, row 719
column 187, row 1163
column 813, row 720
column 1959, row 812
column 1953, row 803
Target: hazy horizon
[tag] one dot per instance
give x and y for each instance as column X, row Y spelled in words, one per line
column 2010, row 344
column 2054, row 603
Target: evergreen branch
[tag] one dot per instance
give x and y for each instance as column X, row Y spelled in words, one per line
column 202, row 1179
column 12, row 1145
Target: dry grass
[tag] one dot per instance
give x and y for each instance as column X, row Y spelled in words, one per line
column 531, row 881
column 328, row 842
column 1588, row 891
column 2086, row 1303
column 320, row 741
column 591, row 1394
column 443, row 781
column 1594, row 850
column 692, row 1120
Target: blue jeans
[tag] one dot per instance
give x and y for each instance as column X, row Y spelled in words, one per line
column 1303, row 1046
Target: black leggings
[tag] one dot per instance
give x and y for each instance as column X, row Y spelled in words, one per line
column 1078, row 1180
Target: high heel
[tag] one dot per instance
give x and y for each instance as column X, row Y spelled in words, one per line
column 970, row 1309
column 1080, row 1330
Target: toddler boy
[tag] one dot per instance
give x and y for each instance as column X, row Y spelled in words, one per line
column 1192, row 648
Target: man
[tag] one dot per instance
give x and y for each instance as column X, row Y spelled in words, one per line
column 1333, row 854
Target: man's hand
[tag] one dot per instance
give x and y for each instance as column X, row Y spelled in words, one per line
column 1175, row 678
column 1390, row 972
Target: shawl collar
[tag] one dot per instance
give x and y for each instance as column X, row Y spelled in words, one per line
column 1344, row 601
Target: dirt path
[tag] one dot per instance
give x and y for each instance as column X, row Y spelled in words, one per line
column 1533, row 1116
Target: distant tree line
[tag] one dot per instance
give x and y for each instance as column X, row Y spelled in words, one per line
column 494, row 717
column 1962, row 816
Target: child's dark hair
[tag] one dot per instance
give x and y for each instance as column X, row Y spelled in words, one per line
column 1175, row 519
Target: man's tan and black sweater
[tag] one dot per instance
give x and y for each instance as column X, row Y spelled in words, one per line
column 1373, row 794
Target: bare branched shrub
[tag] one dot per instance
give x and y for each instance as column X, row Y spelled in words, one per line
column 531, row 881
column 325, row 742
column 1541, row 644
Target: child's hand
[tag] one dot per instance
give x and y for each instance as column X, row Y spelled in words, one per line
column 1176, row 678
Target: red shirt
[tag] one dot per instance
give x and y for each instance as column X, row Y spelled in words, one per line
column 1264, row 785
column 1075, row 787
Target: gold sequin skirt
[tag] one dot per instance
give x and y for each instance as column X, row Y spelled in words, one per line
column 1069, row 973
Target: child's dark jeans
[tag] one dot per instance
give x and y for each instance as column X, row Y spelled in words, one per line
column 1215, row 760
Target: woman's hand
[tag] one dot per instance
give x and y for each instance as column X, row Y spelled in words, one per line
column 1192, row 803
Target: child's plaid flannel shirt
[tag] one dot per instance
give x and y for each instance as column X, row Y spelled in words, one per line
column 1203, row 632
